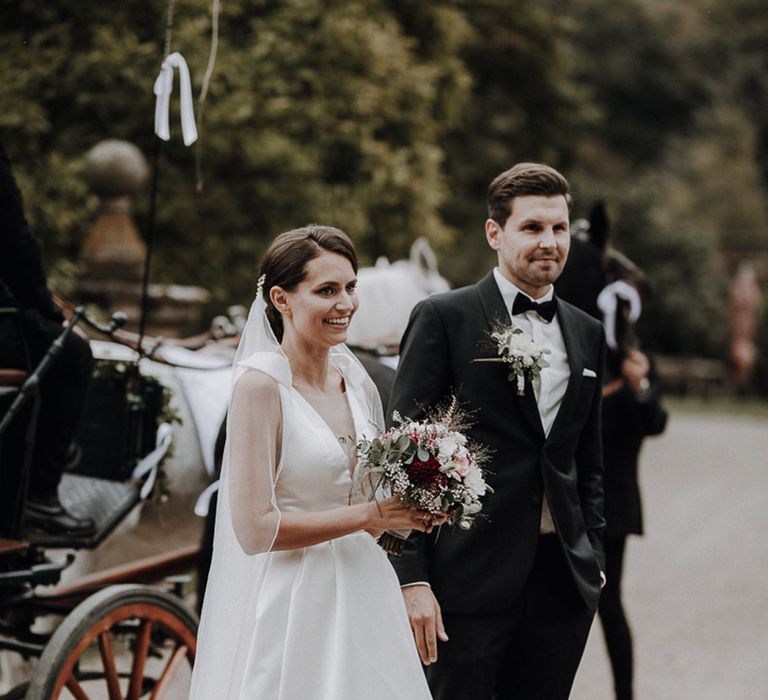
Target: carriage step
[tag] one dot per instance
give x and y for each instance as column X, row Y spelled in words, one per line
column 106, row 502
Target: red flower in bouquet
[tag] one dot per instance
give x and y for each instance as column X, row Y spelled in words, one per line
column 426, row 474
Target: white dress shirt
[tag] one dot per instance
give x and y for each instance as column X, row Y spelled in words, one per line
column 549, row 387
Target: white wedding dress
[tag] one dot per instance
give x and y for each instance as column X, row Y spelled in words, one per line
column 326, row 622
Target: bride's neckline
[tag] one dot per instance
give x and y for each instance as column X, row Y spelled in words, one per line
column 323, row 397
column 319, row 404
column 340, row 382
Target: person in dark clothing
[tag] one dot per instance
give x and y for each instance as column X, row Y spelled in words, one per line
column 23, row 344
column 631, row 411
column 607, row 285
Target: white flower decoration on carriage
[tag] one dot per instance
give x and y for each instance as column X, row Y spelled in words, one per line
column 520, row 352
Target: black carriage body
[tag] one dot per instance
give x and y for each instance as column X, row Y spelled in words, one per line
column 119, row 428
column 120, row 422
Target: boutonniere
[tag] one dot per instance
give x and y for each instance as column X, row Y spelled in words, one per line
column 518, row 350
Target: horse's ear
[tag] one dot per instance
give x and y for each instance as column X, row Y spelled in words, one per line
column 423, row 257
column 599, row 225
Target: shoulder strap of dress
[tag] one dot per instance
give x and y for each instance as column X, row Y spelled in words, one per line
column 349, row 366
column 271, row 363
column 277, row 366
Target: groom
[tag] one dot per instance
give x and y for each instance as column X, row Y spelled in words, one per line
column 503, row 611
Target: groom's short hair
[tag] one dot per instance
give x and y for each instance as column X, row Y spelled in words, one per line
column 521, row 180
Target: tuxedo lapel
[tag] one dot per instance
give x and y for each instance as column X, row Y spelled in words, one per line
column 493, row 302
column 567, row 323
column 497, row 313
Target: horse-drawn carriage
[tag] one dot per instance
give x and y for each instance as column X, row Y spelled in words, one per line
column 108, row 635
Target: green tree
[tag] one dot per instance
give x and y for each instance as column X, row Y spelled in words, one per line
column 390, row 118
column 524, row 105
column 733, row 47
column 72, row 74
column 318, row 111
column 674, row 148
column 633, row 58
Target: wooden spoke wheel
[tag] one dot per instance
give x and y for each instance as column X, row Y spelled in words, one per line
column 125, row 642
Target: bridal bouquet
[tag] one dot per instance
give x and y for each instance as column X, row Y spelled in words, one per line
column 520, row 352
column 430, row 465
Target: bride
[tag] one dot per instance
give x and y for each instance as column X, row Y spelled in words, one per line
column 301, row 602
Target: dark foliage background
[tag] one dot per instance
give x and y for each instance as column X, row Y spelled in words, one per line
column 389, row 119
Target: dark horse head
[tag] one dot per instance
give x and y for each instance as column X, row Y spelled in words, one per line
column 603, row 282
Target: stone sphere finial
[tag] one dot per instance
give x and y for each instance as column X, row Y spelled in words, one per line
column 116, row 168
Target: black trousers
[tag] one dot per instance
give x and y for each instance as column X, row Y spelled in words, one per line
column 63, row 392
column 618, row 637
column 530, row 652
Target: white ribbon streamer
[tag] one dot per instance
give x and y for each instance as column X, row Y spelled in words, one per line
column 203, row 503
column 608, row 300
column 163, row 91
column 151, row 463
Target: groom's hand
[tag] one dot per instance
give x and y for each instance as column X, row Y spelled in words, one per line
column 426, row 620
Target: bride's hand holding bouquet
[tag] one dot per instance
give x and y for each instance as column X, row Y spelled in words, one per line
column 391, row 514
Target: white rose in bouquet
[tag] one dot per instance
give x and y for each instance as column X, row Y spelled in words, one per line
column 475, row 484
column 447, row 446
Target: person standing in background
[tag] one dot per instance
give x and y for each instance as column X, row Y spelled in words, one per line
column 631, row 411
column 607, row 285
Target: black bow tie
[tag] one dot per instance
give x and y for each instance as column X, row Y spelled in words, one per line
column 546, row 309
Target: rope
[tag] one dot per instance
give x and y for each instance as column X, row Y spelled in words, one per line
column 215, row 11
column 152, row 213
column 169, row 27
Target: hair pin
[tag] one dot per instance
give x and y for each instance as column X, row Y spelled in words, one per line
column 260, row 285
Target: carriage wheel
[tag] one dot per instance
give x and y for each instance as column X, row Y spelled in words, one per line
column 124, row 642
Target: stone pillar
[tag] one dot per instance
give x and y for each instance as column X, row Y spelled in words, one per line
column 112, row 256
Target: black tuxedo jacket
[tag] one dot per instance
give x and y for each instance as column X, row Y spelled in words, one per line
column 483, row 570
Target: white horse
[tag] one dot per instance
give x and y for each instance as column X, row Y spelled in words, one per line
column 388, row 292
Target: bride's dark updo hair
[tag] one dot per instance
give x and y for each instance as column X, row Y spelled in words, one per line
column 285, row 262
